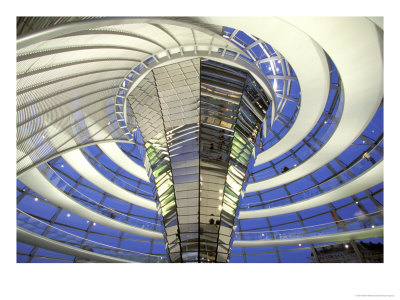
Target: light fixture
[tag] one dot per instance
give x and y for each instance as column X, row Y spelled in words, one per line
column 269, row 68
column 220, row 198
column 299, row 245
column 36, row 199
column 220, row 207
column 277, row 69
column 373, row 226
column 62, row 166
column 94, row 224
column 356, row 202
column 220, row 191
column 279, row 61
column 325, row 122
column 347, row 246
column 68, row 215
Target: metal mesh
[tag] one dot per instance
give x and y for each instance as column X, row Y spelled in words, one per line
column 70, row 71
column 65, row 85
column 26, row 25
column 92, row 123
column 36, row 64
column 55, row 89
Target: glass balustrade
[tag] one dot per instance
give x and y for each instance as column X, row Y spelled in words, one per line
column 362, row 221
column 88, row 202
column 324, row 133
column 39, row 227
column 118, row 180
column 345, row 176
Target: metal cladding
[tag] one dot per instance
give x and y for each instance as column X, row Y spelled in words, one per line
column 199, row 120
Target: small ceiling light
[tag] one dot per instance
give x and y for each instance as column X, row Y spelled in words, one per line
column 36, row 199
column 220, row 198
column 294, row 165
column 373, row 226
column 62, row 166
column 269, row 68
column 356, row 202
column 220, row 207
column 325, row 122
column 108, row 123
column 23, row 190
column 277, row 69
column 363, row 142
column 87, row 221
column 220, row 191
column 94, row 224
column 263, row 234
column 299, row 245
column 68, row 215
column 347, row 246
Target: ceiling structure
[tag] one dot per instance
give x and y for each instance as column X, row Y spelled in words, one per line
column 122, row 124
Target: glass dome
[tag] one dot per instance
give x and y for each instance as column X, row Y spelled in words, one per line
column 88, row 189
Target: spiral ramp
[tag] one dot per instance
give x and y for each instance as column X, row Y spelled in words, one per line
column 85, row 191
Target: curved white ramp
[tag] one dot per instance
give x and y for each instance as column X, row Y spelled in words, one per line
column 80, row 164
column 31, row 238
column 121, row 159
column 36, row 181
column 308, row 61
column 369, row 178
column 336, row 237
column 356, row 51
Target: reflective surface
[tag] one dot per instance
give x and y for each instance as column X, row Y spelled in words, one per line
column 60, row 80
column 199, row 143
